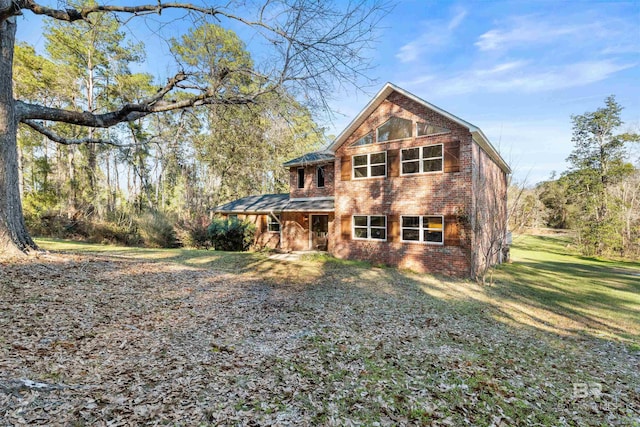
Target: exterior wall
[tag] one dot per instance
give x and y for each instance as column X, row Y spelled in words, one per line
column 441, row 193
column 296, row 233
column 489, row 213
column 310, row 185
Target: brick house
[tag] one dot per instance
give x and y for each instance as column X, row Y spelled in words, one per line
column 406, row 184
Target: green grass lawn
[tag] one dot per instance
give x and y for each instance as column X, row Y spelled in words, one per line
column 194, row 337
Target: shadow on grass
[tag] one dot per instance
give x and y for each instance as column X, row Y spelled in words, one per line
column 545, row 287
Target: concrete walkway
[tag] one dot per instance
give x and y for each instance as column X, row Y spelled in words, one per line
column 293, row 256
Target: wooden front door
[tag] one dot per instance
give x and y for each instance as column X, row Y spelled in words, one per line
column 319, row 232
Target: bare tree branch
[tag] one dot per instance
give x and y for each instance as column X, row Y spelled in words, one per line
column 41, row 128
column 132, row 111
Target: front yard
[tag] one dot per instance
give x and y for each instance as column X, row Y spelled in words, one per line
column 99, row 335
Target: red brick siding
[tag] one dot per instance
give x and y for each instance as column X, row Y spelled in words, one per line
column 422, row 194
column 310, row 185
column 489, row 213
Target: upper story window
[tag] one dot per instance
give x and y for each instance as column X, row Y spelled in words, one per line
column 301, row 178
column 429, row 129
column 422, row 159
column 395, row 128
column 365, row 140
column 320, row 176
column 425, row 229
column 373, row 227
column 370, row 165
column 273, row 223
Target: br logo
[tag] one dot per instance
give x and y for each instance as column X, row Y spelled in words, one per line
column 582, row 390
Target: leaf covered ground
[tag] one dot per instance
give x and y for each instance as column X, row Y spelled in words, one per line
column 111, row 336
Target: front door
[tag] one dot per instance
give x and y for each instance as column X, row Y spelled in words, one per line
column 319, row 232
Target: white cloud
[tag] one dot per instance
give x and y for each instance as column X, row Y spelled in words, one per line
column 457, row 19
column 438, row 35
column 524, row 32
column 511, row 77
column 575, row 31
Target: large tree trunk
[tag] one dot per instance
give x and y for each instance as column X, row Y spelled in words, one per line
column 14, row 238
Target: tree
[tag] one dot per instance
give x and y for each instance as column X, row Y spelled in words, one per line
column 596, row 164
column 313, row 46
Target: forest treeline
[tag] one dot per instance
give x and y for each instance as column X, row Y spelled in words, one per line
column 155, row 181
column 598, row 196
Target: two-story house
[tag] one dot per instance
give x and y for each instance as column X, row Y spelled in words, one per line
column 406, row 184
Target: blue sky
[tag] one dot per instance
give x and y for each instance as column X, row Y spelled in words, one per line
column 516, row 69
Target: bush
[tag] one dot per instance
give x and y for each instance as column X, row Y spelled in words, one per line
column 231, row 234
column 157, row 230
column 193, row 234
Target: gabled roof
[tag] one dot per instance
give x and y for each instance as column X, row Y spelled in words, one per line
column 268, row 203
column 311, row 159
column 477, row 134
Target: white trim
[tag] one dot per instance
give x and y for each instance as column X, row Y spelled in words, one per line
column 421, row 160
column 421, row 229
column 368, row 165
column 271, row 216
column 368, row 227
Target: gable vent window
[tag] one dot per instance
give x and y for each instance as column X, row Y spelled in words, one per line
column 370, row 165
column 301, row 178
column 365, row 140
column 425, row 129
column 422, row 159
column 395, row 128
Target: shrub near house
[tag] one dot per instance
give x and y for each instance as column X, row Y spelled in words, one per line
column 405, row 184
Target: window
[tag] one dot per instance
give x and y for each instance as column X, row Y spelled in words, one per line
column 426, row 229
column 394, row 128
column 273, row 223
column 370, row 165
column 422, row 159
column 320, row 176
column 370, row 227
column 429, row 129
column 301, row 178
column 365, row 140
column 233, row 217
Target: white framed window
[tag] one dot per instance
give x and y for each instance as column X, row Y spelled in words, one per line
column 300, row 177
column 273, row 223
column 422, row 159
column 369, row 227
column 422, row 229
column 393, row 129
column 320, row 176
column 369, row 165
